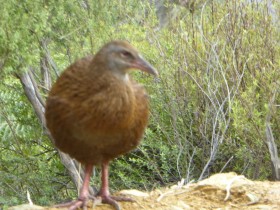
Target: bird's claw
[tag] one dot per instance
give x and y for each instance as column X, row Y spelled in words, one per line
column 112, row 200
column 72, row 205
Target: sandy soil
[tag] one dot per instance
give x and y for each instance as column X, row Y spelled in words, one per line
column 219, row 192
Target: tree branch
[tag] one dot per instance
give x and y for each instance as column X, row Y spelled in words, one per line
column 32, row 93
column 272, row 147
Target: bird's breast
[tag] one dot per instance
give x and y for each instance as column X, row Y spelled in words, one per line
column 113, row 108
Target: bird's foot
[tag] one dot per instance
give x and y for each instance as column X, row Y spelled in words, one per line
column 72, row 205
column 112, row 200
column 80, row 203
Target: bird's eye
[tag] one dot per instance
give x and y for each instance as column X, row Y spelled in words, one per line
column 126, row 54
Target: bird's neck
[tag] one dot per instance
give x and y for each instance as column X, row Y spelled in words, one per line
column 123, row 77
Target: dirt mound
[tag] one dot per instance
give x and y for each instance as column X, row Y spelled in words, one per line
column 220, row 191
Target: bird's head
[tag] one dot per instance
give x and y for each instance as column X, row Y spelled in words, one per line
column 119, row 57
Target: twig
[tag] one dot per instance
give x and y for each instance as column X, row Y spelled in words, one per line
column 29, row 199
column 229, row 186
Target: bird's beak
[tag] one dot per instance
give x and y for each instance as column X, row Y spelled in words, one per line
column 141, row 64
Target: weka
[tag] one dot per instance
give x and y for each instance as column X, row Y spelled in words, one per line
column 96, row 112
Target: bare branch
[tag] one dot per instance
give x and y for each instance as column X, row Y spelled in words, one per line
column 49, row 59
column 271, row 142
column 32, row 92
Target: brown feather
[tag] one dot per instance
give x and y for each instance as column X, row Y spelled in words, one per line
column 93, row 115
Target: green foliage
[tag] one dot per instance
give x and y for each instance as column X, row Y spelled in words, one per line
column 219, row 71
column 27, row 157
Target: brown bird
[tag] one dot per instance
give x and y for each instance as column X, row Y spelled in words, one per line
column 96, row 112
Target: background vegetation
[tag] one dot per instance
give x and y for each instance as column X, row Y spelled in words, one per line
column 215, row 107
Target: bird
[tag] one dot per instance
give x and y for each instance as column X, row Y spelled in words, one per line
column 96, row 112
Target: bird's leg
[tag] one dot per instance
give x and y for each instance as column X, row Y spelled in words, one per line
column 84, row 194
column 104, row 192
